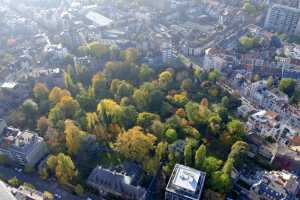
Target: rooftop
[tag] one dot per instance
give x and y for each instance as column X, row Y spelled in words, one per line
column 9, row 85
column 121, row 183
column 186, row 182
column 281, row 185
column 187, row 179
column 18, row 140
column 5, row 192
column 98, row 18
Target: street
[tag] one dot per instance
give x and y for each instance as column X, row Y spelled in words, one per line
column 37, row 182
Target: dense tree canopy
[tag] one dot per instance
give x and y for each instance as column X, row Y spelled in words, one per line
column 135, row 144
column 129, row 110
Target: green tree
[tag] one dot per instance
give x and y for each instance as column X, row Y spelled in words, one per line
column 228, row 166
column 124, row 90
column 249, row 8
column 121, row 70
column 156, row 98
column 220, row 182
column 40, row 91
column 145, row 119
column 213, row 75
column 211, row 164
column 28, row 185
column 98, row 50
column 157, row 128
column 200, row 156
column 270, row 81
column 69, row 82
column 87, row 100
column 99, row 86
column 235, row 131
column 192, row 111
column 128, row 117
column 145, row 73
column 186, row 84
column 130, row 55
column 14, row 182
column 231, row 102
column 161, row 150
column 140, row 98
column 188, row 154
column 247, row 42
column 79, row 190
column 171, row 135
column 214, row 123
column 238, row 152
column 30, row 110
column 56, row 118
column 288, row 86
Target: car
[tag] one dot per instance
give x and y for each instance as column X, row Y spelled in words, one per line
column 52, row 179
column 18, row 170
column 57, row 196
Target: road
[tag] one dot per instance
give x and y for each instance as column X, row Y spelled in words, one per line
column 37, row 182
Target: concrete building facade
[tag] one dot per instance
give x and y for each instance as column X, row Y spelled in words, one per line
column 283, row 19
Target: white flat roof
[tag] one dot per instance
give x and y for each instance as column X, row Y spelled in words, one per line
column 9, row 85
column 5, row 192
column 187, row 178
column 98, row 18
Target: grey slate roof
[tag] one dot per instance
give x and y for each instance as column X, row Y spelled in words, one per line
column 115, row 183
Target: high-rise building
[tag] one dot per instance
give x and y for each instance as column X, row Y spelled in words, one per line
column 283, row 19
column 185, row 183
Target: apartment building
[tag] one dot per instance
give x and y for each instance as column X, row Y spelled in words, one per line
column 285, row 19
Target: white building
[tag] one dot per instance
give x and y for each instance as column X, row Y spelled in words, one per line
column 185, row 183
column 213, row 60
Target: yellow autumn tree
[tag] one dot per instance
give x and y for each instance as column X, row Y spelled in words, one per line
column 165, row 78
column 95, row 127
column 135, row 144
column 73, row 136
column 91, row 120
column 108, row 111
column 63, row 167
column 68, row 106
column 56, row 95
